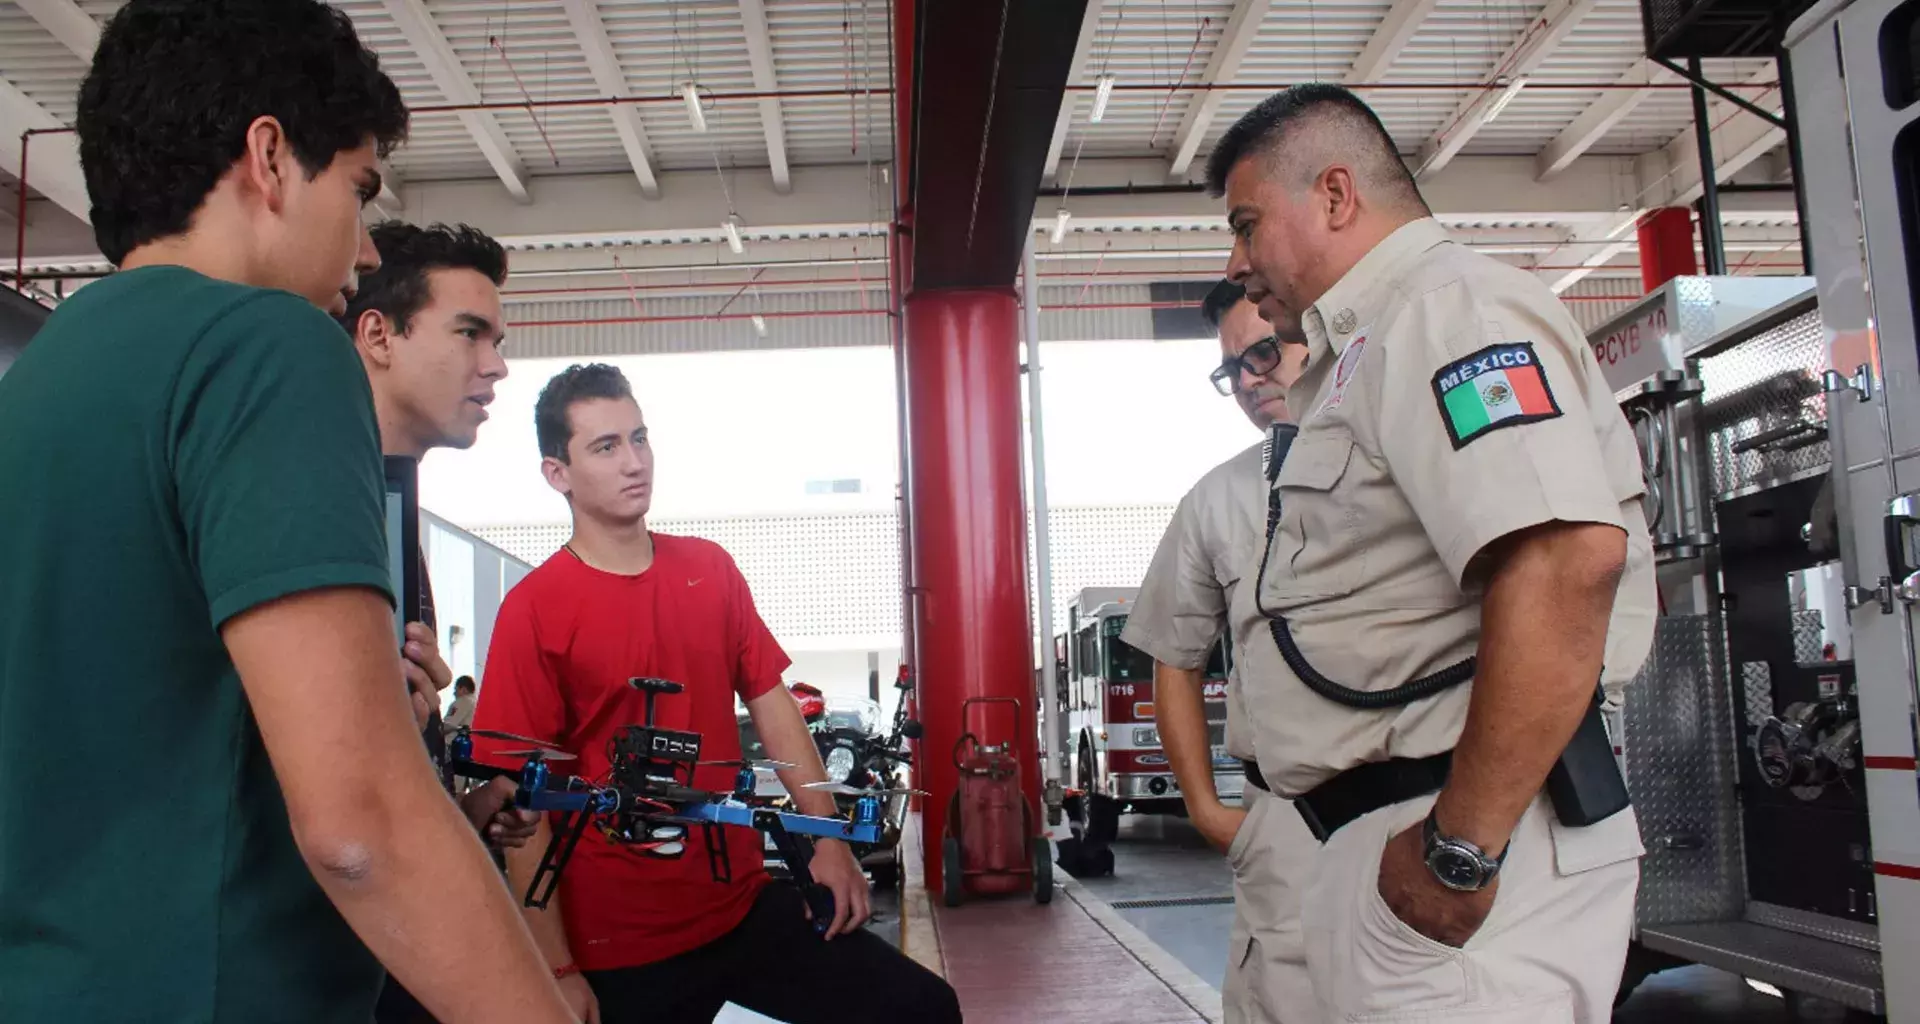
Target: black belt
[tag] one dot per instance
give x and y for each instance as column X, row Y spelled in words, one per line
column 1366, row 788
column 1257, row 780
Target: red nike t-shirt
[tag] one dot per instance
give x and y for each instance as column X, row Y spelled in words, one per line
column 565, row 642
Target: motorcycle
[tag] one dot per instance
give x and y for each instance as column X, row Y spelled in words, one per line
column 857, row 755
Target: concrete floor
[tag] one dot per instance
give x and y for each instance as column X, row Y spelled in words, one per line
column 1163, row 859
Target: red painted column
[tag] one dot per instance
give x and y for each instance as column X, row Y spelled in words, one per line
column 969, row 538
column 1666, row 246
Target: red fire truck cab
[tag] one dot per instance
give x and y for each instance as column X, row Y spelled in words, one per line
column 1106, row 687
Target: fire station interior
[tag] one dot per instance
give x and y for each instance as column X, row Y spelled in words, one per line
column 916, row 284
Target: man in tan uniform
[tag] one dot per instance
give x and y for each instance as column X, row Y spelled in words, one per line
column 1210, row 549
column 1461, row 555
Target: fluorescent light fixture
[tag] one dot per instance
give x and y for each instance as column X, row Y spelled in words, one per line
column 1060, row 219
column 732, row 227
column 759, row 325
column 691, row 93
column 1506, row 96
column 1100, row 98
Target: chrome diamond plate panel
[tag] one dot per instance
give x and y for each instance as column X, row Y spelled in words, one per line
column 1680, row 772
column 1845, row 974
column 1693, row 307
column 1858, row 934
column 1756, row 683
column 1809, row 637
column 1767, row 385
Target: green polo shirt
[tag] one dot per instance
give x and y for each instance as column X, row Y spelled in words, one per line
column 174, row 450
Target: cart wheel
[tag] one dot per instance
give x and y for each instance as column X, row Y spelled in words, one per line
column 951, row 877
column 1042, row 870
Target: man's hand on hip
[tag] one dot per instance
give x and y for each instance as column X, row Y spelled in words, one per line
column 834, row 867
column 1421, row 902
column 1218, row 823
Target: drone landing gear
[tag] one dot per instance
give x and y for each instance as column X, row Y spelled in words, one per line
column 797, row 853
column 546, row 877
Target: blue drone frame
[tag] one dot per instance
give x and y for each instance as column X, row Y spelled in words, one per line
column 649, row 801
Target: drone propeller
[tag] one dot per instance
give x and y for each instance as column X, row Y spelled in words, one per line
column 763, row 765
column 538, row 754
column 495, row 734
column 842, row 789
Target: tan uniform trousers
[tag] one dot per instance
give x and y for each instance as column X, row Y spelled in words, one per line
column 1267, row 980
column 1550, row 951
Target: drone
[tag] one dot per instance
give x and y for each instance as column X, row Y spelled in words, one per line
column 648, row 802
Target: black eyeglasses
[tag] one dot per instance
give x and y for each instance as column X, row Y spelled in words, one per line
column 1259, row 359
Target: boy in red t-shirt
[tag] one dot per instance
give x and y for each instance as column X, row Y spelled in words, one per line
column 634, row 938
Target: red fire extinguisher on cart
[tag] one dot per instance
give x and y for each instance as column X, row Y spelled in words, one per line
column 992, row 844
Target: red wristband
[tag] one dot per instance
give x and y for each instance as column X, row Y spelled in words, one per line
column 565, row 969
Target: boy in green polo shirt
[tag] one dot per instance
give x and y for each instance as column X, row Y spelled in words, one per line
column 215, row 805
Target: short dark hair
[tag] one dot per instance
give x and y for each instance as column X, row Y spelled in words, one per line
column 575, row 384
column 1266, row 127
column 1223, row 296
column 464, row 683
column 164, row 110
column 408, row 253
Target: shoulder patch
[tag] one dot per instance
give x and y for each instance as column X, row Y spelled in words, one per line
column 1498, row 386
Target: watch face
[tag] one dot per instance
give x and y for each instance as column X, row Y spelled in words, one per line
column 1455, row 869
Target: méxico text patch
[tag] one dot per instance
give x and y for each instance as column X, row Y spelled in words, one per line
column 1498, row 386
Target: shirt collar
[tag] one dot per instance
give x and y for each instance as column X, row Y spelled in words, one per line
column 1347, row 308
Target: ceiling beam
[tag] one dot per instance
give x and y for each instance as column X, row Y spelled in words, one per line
column 611, row 80
column 1389, row 38
column 53, row 161
column 75, row 28
column 753, row 14
column 1592, row 247
column 1222, row 66
column 1670, row 176
column 1599, row 118
column 433, row 50
column 1535, row 44
column 1076, row 75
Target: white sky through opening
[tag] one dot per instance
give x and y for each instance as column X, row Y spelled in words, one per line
column 743, row 433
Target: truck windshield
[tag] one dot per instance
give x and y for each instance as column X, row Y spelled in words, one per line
column 1217, row 661
column 1127, row 663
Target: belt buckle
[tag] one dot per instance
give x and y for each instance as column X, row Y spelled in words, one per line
column 1314, row 825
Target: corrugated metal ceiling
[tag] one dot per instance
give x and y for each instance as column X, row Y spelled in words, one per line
column 516, row 50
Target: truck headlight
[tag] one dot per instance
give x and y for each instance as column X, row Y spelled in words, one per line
column 1147, row 737
column 839, row 764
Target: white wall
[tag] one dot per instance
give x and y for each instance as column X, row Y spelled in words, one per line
column 843, row 673
column 470, row 577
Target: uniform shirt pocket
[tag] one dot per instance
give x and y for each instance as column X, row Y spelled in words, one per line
column 1314, row 553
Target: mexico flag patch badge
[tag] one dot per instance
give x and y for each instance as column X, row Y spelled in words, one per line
column 1499, row 386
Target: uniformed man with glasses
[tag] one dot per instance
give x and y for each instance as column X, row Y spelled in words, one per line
column 1212, row 546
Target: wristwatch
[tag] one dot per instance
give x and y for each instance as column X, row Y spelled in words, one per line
column 1457, row 863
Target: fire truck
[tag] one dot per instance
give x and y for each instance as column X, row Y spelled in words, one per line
column 1104, row 692
column 1769, row 741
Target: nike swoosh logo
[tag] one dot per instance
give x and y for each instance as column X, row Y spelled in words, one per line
column 695, row 583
